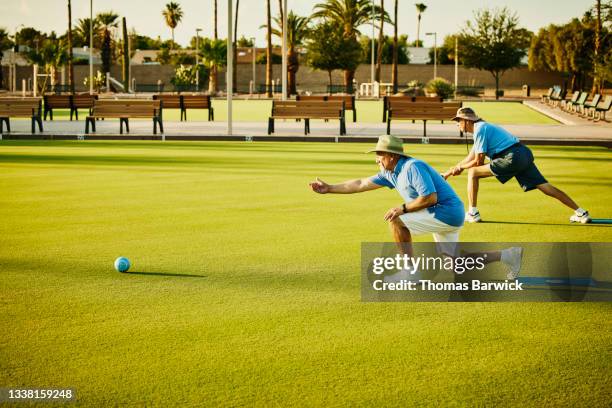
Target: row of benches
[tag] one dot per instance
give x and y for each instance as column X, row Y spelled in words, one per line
column 303, row 109
column 579, row 104
column 87, row 101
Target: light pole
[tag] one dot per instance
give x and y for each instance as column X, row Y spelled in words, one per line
column 91, row 47
column 435, row 36
column 284, row 65
column 254, row 50
column 198, row 59
column 456, row 64
column 229, row 74
column 372, row 53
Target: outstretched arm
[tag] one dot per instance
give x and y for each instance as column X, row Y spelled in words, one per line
column 347, row 187
column 471, row 160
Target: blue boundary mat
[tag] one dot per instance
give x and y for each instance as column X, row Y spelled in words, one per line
column 601, row 221
column 543, row 281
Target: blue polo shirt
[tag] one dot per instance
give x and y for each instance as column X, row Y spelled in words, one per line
column 414, row 178
column 490, row 139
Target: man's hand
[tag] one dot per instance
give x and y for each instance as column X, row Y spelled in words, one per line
column 319, row 186
column 453, row 171
column 393, row 213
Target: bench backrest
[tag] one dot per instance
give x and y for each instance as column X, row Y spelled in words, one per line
column 196, row 101
column 427, row 99
column 400, row 109
column 582, row 98
column 170, row 101
column 311, row 97
column 595, row 100
column 58, row 101
column 307, row 109
column 132, row 108
column 575, row 96
column 83, row 101
column 349, row 100
column 20, row 107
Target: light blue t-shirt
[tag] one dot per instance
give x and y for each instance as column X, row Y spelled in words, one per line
column 413, row 178
column 490, row 139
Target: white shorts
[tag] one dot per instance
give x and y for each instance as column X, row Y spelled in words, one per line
column 424, row 222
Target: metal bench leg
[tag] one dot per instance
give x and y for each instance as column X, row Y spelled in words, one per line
column 120, row 126
column 127, row 125
column 270, row 126
column 342, row 127
column 160, row 122
column 87, row 120
column 424, row 128
column 39, row 120
column 354, row 115
column 388, row 125
column 8, row 125
column 211, row 112
column 154, row 126
column 1, row 125
column 33, row 125
column 306, row 126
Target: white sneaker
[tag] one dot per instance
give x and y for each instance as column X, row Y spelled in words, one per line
column 408, row 274
column 469, row 217
column 514, row 259
column 583, row 218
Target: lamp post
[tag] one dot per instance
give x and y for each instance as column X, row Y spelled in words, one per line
column 254, row 51
column 284, row 64
column 198, row 58
column 456, row 64
column 372, row 53
column 435, row 36
column 229, row 86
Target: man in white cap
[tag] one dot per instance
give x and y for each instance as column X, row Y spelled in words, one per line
column 430, row 205
column 508, row 158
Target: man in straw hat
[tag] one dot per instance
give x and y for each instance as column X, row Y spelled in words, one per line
column 429, row 204
column 508, row 158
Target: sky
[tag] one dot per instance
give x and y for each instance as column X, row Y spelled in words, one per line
column 442, row 16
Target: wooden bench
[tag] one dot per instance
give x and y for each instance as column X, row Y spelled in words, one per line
column 403, row 110
column 407, row 98
column 565, row 104
column 124, row 110
column 349, row 101
column 307, row 110
column 21, row 108
column 82, row 101
column 196, row 102
column 590, row 106
column 72, row 102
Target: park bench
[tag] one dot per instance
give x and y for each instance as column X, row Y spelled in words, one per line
column 557, row 97
column 590, row 106
column 404, row 110
column 602, row 108
column 124, row 110
column 307, row 110
column 21, row 108
column 349, row 101
column 544, row 98
column 407, row 98
column 72, row 102
column 196, row 102
column 51, row 102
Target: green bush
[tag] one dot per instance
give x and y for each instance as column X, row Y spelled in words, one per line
column 441, row 87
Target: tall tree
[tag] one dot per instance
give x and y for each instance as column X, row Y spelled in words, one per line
column 214, row 54
column 70, row 67
column 348, row 14
column 82, row 33
column 50, row 55
column 297, row 30
column 108, row 21
column 5, row 44
column 173, row 15
column 268, row 50
column 381, row 38
column 394, row 78
column 494, row 42
column 420, row 10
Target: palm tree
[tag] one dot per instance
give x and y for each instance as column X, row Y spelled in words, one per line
column 297, row 30
column 380, row 40
column 349, row 14
column 394, row 79
column 107, row 21
column 214, row 54
column 173, row 15
column 50, row 55
column 268, row 51
column 70, row 67
column 420, row 9
column 82, row 32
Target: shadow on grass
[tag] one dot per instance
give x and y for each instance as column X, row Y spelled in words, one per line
column 180, row 275
column 542, row 223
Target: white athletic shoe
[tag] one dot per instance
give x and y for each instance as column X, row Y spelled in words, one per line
column 469, row 217
column 408, row 274
column 583, row 218
column 513, row 257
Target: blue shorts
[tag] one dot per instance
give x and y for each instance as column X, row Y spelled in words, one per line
column 517, row 161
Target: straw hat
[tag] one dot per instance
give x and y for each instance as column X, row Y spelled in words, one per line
column 467, row 114
column 389, row 144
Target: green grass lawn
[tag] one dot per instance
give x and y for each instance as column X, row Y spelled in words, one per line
column 247, row 291
column 367, row 112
